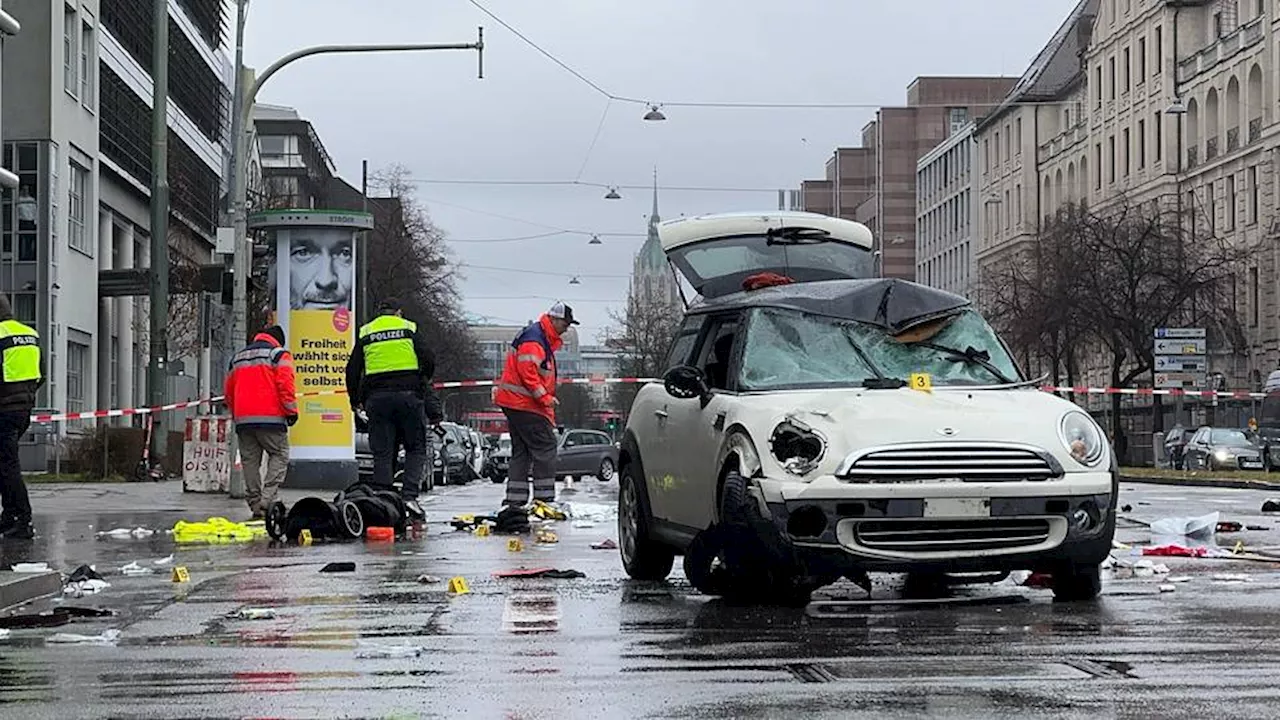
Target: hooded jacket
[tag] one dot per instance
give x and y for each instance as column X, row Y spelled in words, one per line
column 260, row 388
column 528, row 380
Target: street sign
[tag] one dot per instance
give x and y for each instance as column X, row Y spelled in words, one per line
column 1181, row 333
column 1191, row 380
column 1188, row 346
column 1181, row 363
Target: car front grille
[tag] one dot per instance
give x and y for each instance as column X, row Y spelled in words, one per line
column 969, row 463
column 916, row 537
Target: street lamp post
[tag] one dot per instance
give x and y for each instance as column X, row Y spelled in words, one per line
column 239, row 177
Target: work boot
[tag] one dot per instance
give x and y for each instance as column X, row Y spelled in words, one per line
column 7, row 522
column 414, row 511
column 21, row 530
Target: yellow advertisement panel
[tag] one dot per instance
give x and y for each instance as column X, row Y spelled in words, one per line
column 321, row 341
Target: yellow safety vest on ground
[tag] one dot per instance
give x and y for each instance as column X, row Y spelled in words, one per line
column 19, row 352
column 387, row 342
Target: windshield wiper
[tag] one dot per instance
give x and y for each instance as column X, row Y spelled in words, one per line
column 884, row 383
column 796, row 236
column 981, row 358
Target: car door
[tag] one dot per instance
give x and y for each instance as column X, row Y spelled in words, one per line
column 695, row 430
column 648, row 421
column 1198, row 448
column 569, row 456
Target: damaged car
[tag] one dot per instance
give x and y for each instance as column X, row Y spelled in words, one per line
column 817, row 422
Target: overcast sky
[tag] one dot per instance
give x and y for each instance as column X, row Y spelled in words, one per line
column 531, row 120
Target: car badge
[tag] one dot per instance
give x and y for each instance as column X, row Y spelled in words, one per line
column 946, row 431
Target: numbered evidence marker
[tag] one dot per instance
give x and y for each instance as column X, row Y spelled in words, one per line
column 922, row 382
column 515, row 545
column 304, row 538
column 458, row 586
column 180, row 575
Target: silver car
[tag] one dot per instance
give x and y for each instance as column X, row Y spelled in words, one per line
column 1222, row 449
column 586, row 452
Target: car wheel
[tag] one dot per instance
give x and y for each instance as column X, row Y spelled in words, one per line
column 642, row 557
column 1077, row 583
column 276, row 515
column 605, row 473
column 352, row 519
column 758, row 563
column 703, row 565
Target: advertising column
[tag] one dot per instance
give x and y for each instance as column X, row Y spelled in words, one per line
column 314, row 277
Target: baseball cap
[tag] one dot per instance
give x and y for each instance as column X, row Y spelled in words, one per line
column 389, row 304
column 563, row 312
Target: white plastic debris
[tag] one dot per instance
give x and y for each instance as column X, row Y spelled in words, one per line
column 1144, row 568
column 164, row 561
column 256, row 613
column 1168, row 588
column 34, row 567
column 1232, row 578
column 584, row 524
column 134, row 568
column 372, row 650
column 1196, row 527
column 1179, row 578
column 597, row 512
column 428, row 579
column 5, row 633
column 85, row 587
column 123, row 533
column 1160, row 569
column 108, row 637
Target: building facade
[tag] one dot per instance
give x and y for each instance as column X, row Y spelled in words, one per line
column 946, row 214
column 653, row 283
column 876, row 184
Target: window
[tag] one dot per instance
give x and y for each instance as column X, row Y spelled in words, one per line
column 1158, row 56
column 716, row 352
column 957, row 118
column 1125, row 70
column 114, row 378
column 77, row 238
column 1007, row 210
column 24, row 307
column 1253, row 297
column 1127, row 146
column 1017, row 201
column 1142, row 144
column 682, row 345
column 1231, row 203
column 273, row 146
column 1111, row 158
column 87, row 68
column 1097, row 152
column 1111, row 77
column 1252, row 177
column 1018, row 135
column 986, row 155
column 1097, row 81
column 1142, row 59
column 1218, row 26
column 997, row 159
column 70, row 54
column 1157, row 126
column 1008, row 143
column 77, row 361
column 1211, row 206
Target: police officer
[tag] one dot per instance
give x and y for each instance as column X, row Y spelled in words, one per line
column 389, row 377
column 22, row 367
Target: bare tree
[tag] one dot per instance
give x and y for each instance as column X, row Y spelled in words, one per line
column 189, row 325
column 1118, row 274
column 642, row 335
column 576, row 405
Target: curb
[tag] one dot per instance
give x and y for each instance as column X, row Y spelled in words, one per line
column 1225, row 483
column 19, row 588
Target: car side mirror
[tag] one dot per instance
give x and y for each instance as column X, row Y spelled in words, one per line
column 686, row 382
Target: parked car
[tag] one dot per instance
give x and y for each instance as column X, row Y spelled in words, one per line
column 817, row 422
column 586, row 452
column 364, row 460
column 1222, row 449
column 500, row 459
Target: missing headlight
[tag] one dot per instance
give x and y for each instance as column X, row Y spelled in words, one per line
column 797, row 446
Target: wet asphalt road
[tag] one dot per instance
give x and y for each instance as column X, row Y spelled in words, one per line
column 606, row 647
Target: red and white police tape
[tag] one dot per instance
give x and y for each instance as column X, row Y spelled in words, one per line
column 453, row 384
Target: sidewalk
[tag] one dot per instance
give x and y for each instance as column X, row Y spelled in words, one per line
column 1238, row 481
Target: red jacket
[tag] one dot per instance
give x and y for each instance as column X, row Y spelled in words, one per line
column 260, row 386
column 528, row 379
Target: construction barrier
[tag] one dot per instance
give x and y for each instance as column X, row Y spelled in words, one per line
column 206, row 462
column 454, row 384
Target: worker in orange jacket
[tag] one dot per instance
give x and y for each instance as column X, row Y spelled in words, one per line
column 261, row 395
column 526, row 392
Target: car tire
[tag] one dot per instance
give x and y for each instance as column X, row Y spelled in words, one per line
column 1077, row 583
column 757, row 568
column 643, row 557
column 606, row 471
column 276, row 515
column 351, row 518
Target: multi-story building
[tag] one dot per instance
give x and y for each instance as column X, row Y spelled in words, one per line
column 77, row 130
column 876, row 183
column 946, row 214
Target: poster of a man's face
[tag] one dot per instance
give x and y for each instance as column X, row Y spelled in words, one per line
column 320, row 269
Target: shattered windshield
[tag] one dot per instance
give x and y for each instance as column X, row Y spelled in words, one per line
column 790, row 349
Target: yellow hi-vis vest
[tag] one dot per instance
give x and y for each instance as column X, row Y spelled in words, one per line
column 387, row 342
column 19, row 352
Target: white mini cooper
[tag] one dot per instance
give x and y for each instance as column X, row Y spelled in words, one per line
column 817, row 424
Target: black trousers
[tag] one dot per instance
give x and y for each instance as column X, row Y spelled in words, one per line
column 533, row 451
column 13, row 491
column 394, row 417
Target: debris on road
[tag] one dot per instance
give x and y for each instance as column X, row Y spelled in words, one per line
column 134, row 568
column 4, row 634
column 1270, row 506
column 546, row 537
column 49, row 618
column 428, row 579
column 108, row 637
column 1167, row 588
column 163, row 561
column 124, row 533
column 1232, row 578
column 544, row 572
column 604, row 545
column 255, row 614
column 218, row 530
column 547, row 511
column 339, row 567
column 1229, row 526
column 366, row 649
column 1175, row 551
column 592, row 512
column 31, row 567
column 1192, row 527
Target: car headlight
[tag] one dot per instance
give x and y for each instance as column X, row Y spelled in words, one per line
column 1223, row 455
column 1083, row 438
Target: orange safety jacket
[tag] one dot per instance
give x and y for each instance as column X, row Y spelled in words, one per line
column 528, row 379
column 260, row 388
